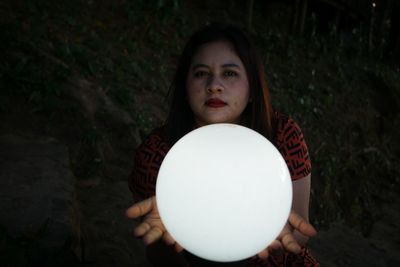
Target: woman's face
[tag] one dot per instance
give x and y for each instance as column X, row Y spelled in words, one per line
column 217, row 85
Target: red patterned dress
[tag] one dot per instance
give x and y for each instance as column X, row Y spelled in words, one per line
column 288, row 139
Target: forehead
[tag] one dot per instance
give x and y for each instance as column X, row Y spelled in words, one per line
column 216, row 52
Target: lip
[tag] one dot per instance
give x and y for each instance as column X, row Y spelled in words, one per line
column 215, row 103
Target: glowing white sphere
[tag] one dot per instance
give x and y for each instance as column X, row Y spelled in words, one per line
column 224, row 192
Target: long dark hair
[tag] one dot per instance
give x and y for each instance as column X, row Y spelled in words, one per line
column 258, row 113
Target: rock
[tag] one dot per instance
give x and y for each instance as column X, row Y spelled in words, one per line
column 108, row 233
column 37, row 198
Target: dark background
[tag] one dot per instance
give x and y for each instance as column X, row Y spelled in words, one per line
column 95, row 74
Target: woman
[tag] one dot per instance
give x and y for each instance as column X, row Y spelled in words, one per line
column 219, row 78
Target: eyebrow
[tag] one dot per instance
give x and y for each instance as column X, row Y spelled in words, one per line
column 227, row 65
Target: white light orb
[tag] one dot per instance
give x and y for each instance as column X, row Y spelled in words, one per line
column 224, row 192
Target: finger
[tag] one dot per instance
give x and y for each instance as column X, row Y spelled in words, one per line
column 290, row 244
column 168, row 239
column 263, row 254
column 178, row 247
column 287, row 229
column 152, row 235
column 275, row 246
column 141, row 229
column 139, row 209
column 301, row 225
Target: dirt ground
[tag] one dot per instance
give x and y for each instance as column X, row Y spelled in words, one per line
column 109, row 241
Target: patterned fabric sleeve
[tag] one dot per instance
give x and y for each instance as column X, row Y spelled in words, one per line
column 290, row 142
column 147, row 161
column 303, row 259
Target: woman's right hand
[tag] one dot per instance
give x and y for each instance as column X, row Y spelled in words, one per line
column 151, row 227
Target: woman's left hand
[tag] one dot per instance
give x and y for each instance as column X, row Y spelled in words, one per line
column 286, row 239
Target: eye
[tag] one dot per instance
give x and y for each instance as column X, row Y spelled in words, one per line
column 200, row 73
column 230, row 73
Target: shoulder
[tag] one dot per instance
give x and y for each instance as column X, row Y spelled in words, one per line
column 153, row 148
column 285, row 128
column 289, row 140
column 155, row 140
column 147, row 161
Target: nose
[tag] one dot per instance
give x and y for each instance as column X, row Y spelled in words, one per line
column 214, row 85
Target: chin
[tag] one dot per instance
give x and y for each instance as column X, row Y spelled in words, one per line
column 216, row 119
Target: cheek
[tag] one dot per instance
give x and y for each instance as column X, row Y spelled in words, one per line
column 243, row 94
column 241, row 100
column 194, row 96
column 241, row 104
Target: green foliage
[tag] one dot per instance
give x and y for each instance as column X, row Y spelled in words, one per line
column 130, row 48
column 329, row 88
column 145, row 121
